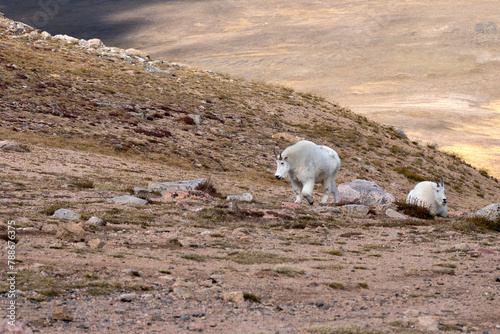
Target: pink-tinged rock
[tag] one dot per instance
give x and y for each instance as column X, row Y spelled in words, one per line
column 175, row 186
column 364, row 192
column 486, row 251
column 269, row 217
column 13, row 327
column 187, row 194
column 291, row 205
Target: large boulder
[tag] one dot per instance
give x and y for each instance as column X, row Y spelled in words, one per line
column 364, row 192
column 175, row 186
column 490, row 212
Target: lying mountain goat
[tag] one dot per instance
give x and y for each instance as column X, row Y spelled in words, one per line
column 430, row 195
column 305, row 164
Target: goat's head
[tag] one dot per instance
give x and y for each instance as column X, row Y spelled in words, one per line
column 439, row 192
column 283, row 166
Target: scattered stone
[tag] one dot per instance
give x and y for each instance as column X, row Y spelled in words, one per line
column 462, row 247
column 429, row 323
column 127, row 199
column 17, row 328
column 67, row 39
column 196, row 118
column 175, row 186
column 70, row 232
column 66, row 214
column 364, row 192
column 412, row 313
column 394, row 214
column 402, row 133
column 136, row 53
column 142, row 191
column 291, row 205
column 356, row 209
column 96, row 243
column 490, row 212
column 234, row 297
column 188, row 194
column 62, row 313
column 95, row 43
column 128, row 297
column 45, row 35
column 157, row 70
column 246, row 197
column 96, row 221
column 80, row 245
column 132, row 272
column 9, row 145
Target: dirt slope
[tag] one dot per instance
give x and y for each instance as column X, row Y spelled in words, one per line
column 428, row 67
column 95, row 122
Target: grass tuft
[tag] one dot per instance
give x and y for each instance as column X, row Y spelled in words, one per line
column 409, row 174
column 414, row 210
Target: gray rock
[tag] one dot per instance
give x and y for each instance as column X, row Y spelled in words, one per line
column 127, row 199
column 128, row 297
column 246, row 197
column 96, row 221
column 175, row 186
column 133, row 272
column 490, row 212
column 364, row 192
column 394, row 214
column 157, row 70
column 402, row 133
column 66, row 214
column 196, row 118
column 356, row 209
column 142, row 191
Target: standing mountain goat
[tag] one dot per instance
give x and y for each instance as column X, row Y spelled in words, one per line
column 306, row 164
column 430, row 195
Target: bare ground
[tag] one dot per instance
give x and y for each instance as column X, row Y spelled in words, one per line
column 308, row 267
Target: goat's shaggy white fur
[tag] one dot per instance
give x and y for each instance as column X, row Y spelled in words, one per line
column 306, row 164
column 430, row 195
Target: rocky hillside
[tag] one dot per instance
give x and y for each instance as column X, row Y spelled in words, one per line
column 83, row 125
column 61, row 92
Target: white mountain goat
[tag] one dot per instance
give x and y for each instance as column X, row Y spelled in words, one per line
column 306, row 164
column 430, row 195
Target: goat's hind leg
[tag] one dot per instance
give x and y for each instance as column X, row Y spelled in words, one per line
column 327, row 190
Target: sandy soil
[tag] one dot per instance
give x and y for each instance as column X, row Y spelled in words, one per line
column 168, row 268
